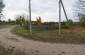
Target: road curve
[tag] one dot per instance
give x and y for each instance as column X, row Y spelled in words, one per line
column 31, row 47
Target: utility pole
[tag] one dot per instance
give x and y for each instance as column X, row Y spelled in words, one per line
column 64, row 10
column 61, row 4
column 59, row 17
column 30, row 16
column 65, row 14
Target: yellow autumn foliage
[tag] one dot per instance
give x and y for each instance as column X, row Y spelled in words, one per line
column 39, row 22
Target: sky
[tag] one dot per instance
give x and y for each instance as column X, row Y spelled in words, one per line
column 48, row 10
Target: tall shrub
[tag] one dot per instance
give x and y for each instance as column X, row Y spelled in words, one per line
column 26, row 24
column 69, row 23
column 39, row 22
column 82, row 21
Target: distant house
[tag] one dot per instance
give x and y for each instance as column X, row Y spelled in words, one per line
column 33, row 22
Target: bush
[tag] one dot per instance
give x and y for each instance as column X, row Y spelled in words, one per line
column 69, row 23
column 39, row 22
column 26, row 24
column 82, row 21
column 20, row 20
column 63, row 24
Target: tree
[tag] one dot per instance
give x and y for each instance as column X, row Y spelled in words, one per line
column 80, row 11
column 1, row 7
column 69, row 23
column 82, row 21
column 20, row 19
column 39, row 22
column 26, row 24
column 9, row 21
column 79, row 7
column 12, row 22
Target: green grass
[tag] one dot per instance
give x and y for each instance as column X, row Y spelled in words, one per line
column 3, row 26
column 5, row 51
column 52, row 36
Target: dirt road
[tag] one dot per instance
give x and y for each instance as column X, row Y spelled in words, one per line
column 7, row 39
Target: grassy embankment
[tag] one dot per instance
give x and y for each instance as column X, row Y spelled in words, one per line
column 77, row 36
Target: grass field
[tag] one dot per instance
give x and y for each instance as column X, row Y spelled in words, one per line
column 76, row 36
column 3, row 26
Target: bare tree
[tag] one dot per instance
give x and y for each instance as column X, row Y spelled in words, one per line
column 1, row 8
column 79, row 7
column 20, row 19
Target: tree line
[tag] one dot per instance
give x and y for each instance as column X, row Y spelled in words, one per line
column 79, row 9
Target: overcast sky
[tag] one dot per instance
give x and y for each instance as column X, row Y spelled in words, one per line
column 47, row 9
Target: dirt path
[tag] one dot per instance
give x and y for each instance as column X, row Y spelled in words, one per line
column 8, row 39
